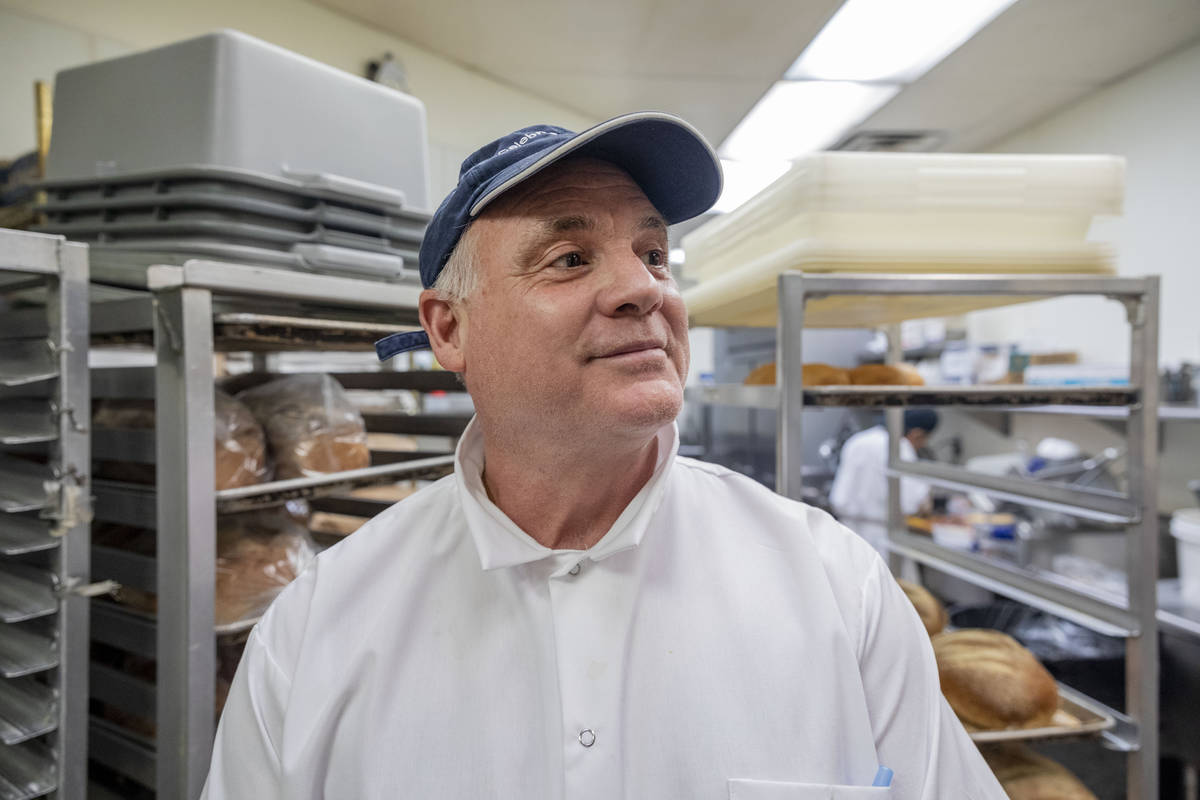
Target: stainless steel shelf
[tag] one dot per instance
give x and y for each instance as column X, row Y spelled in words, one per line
column 27, row 771
column 1166, row 412
column 1091, row 504
column 125, row 503
column 276, row 492
column 24, row 651
column 417, row 424
column 1172, row 613
column 122, row 690
column 24, row 534
column 1106, row 615
column 122, row 750
column 21, row 485
column 26, row 422
column 25, row 361
column 25, row 593
column 123, row 628
column 28, row 709
column 1006, row 396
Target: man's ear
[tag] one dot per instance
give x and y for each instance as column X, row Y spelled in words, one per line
column 446, row 325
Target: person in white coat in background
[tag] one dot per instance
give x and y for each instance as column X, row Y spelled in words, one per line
column 577, row 613
column 859, row 495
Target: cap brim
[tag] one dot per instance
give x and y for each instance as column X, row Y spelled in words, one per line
column 397, row 343
column 669, row 159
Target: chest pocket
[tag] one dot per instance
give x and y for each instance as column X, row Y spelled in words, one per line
column 746, row 789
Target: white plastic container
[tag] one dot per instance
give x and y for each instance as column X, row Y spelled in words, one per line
column 230, row 100
column 1185, row 527
column 913, row 201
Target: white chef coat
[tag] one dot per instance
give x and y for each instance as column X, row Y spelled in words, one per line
column 719, row 641
column 860, row 487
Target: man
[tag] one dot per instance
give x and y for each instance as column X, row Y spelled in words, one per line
column 859, row 494
column 576, row 612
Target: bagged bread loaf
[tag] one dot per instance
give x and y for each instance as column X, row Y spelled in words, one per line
column 258, row 554
column 886, row 375
column 932, row 613
column 811, row 375
column 312, row 427
column 1025, row 775
column 240, row 448
column 992, row 682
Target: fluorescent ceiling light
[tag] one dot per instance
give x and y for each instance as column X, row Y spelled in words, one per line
column 895, row 41
column 744, row 179
column 798, row 117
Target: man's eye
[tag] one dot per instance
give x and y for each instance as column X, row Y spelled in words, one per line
column 656, row 258
column 569, row 260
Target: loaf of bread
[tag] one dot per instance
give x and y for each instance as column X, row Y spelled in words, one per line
column 258, row 554
column 992, row 682
column 240, row 447
column 1025, row 775
column 811, row 375
column 312, row 427
column 886, row 375
column 931, row 611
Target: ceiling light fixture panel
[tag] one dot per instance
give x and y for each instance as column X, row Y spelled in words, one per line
column 891, row 41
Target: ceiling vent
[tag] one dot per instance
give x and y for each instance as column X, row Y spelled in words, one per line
column 893, row 141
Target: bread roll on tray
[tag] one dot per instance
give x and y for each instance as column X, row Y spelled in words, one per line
column 812, row 375
column 931, row 611
column 1025, row 775
column 992, row 682
column 885, row 375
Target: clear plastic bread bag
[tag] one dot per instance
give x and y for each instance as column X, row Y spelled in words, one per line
column 312, row 427
column 239, row 444
column 258, row 554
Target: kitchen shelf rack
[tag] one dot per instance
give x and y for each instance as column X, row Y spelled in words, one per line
column 188, row 314
column 44, row 514
column 882, row 300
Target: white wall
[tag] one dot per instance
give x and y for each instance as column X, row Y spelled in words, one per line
column 1152, row 118
column 465, row 108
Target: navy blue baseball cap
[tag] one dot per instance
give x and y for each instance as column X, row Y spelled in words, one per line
column 666, row 157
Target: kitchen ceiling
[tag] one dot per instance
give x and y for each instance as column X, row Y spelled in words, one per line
column 710, row 61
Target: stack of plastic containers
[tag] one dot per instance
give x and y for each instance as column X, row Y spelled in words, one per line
column 228, row 148
column 889, row 213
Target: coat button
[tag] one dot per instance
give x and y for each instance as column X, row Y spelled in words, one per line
column 573, row 570
column 587, row 737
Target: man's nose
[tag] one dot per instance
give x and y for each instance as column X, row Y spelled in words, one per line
column 633, row 288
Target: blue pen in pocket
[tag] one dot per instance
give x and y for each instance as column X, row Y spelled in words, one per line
column 883, row 777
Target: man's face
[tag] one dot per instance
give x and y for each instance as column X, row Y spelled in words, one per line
column 577, row 327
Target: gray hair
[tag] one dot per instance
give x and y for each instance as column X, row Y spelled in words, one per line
column 459, row 278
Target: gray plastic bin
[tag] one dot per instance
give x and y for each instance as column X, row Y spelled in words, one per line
column 230, row 100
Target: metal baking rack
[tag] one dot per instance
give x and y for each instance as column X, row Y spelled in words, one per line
column 189, row 314
column 881, row 299
column 44, row 513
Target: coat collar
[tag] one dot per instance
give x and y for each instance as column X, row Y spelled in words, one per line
column 501, row 543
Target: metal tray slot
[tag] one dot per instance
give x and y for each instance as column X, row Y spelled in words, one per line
column 123, row 751
column 126, row 568
column 113, row 444
column 27, row 710
column 125, row 503
column 21, row 485
column 263, row 495
column 417, row 424
column 25, row 593
column 24, row 534
column 26, row 361
column 26, row 649
column 27, row 771
column 123, row 629
column 116, row 688
column 25, row 422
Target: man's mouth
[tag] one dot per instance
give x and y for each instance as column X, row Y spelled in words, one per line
column 632, row 347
